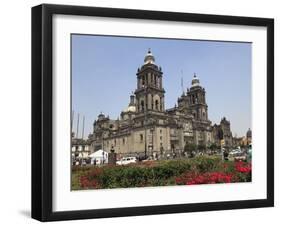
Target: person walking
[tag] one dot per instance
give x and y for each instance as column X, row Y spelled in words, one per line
column 225, row 155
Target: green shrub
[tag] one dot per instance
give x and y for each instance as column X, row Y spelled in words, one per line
column 203, row 164
column 157, row 173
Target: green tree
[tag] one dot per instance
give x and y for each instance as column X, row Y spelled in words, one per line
column 213, row 146
column 190, row 148
column 201, row 147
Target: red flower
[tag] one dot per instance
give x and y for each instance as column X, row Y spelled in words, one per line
column 95, row 172
column 205, row 178
column 86, row 183
column 242, row 167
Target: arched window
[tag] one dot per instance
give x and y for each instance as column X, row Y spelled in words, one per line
column 142, row 105
column 158, row 82
column 141, row 138
column 157, row 105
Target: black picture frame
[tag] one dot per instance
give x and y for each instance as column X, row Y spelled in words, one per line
column 42, row 111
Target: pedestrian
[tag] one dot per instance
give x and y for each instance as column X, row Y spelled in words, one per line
column 154, row 155
column 161, row 151
column 249, row 154
column 225, row 155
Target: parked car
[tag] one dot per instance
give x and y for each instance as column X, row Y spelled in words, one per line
column 240, row 157
column 126, row 160
column 236, row 151
column 150, row 158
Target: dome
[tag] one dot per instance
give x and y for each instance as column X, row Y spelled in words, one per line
column 101, row 116
column 130, row 109
column 149, row 58
column 195, row 81
column 249, row 133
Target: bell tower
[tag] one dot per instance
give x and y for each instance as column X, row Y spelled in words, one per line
column 149, row 93
column 196, row 100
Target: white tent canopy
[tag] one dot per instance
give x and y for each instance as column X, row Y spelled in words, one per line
column 99, row 156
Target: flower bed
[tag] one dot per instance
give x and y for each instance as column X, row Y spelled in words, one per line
column 231, row 173
column 201, row 170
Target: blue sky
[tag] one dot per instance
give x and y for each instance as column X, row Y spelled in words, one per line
column 104, row 75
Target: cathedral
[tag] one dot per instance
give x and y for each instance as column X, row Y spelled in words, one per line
column 146, row 126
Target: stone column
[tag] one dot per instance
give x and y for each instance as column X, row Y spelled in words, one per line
column 162, row 103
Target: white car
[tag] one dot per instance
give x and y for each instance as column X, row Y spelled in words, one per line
column 234, row 152
column 240, row 157
column 126, row 160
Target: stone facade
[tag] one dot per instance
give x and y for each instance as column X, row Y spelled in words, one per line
column 146, row 127
column 80, row 149
column 222, row 134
